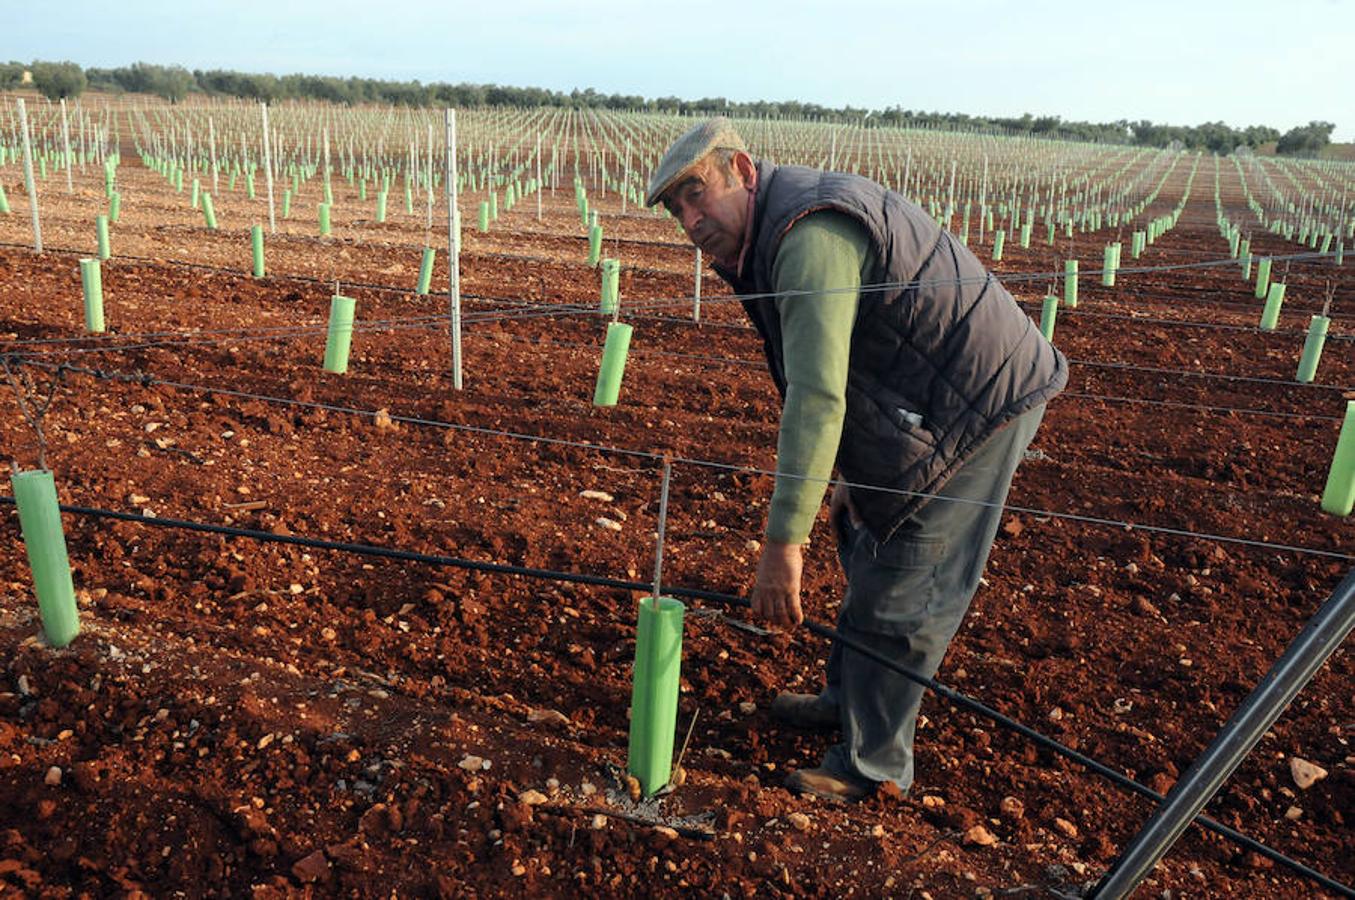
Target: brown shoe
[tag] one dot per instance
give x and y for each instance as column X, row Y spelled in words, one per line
column 807, row 711
column 828, row 785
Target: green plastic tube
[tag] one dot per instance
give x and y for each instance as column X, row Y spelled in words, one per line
column 1108, row 266
column 249, row 184
column 483, row 217
column 196, row 200
column 494, row 205
column 362, row 189
column 329, row 191
column 613, row 367
column 40, row 523
column 4, row 201
column 654, row 692
column 256, row 248
column 409, row 198
column 286, row 202
column 91, row 282
column 101, row 235
column 594, row 244
column 999, row 238
column 1262, row 277
column 381, row 206
column 611, row 279
column 1048, row 313
column 322, row 211
column 1339, row 495
column 426, row 271
column 208, row 211
column 1025, row 235
column 1070, row 283
column 1270, row 316
column 1312, row 348
column 114, row 206
column 340, row 339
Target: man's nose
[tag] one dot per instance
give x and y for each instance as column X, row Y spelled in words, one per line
column 690, row 217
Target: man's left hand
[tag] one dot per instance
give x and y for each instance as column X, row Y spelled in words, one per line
column 776, row 595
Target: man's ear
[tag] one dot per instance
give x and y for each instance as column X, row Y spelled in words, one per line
column 745, row 169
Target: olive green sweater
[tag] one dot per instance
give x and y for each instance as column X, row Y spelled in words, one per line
column 819, row 269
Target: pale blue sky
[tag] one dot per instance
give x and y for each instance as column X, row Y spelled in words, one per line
column 1183, row 63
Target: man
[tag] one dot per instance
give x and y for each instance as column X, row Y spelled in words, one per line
column 900, row 358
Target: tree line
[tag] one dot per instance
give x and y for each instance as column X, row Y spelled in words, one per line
column 173, row 83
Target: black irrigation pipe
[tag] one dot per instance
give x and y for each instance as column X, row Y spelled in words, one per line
column 968, row 703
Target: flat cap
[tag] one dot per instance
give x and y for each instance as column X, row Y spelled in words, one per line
column 686, row 151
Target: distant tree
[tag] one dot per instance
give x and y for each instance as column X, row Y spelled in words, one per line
column 172, row 83
column 55, row 80
column 11, row 74
column 1307, row 139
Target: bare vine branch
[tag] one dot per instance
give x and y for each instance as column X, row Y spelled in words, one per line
column 27, row 394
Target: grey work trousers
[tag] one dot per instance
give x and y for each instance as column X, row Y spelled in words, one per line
column 905, row 599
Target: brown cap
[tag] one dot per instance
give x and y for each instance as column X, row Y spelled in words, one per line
column 691, row 148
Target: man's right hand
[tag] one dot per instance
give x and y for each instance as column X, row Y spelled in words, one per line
column 841, row 499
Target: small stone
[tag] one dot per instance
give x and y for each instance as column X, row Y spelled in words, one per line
column 604, row 522
column 1305, row 774
column 931, row 801
column 588, row 789
column 25, row 689
column 1143, row 607
column 799, row 821
column 877, row 831
column 532, row 797
column 1055, row 714
column 266, row 740
column 519, row 869
column 471, row 763
column 599, row 822
column 747, row 707
column 667, row 832
column 979, row 836
column 1068, row 828
column 53, row 776
column 1293, row 813
column 633, row 788
column 679, row 777
column 312, row 868
column 1012, row 808
column 597, row 495
column 382, row 420
column 547, row 716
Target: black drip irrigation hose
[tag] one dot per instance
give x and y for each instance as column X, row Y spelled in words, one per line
column 968, row 703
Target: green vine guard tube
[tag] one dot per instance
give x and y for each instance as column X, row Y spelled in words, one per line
column 594, row 244
column 340, row 338
column 208, row 210
column 1070, row 283
column 196, row 199
column 286, row 202
column 426, row 271
column 1048, row 313
column 483, row 220
column 381, row 206
column 1262, row 277
column 40, row 522
column 91, row 282
column 1270, row 316
column 1312, row 348
column 322, row 211
column 256, row 249
column 114, row 206
column 101, row 235
column 4, row 201
column 1339, row 495
column 999, row 238
column 613, row 367
column 611, row 279
column 654, row 692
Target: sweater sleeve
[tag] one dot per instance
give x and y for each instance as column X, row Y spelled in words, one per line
column 818, row 272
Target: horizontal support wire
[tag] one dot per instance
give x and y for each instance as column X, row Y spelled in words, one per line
column 1116, row 777
column 147, row 380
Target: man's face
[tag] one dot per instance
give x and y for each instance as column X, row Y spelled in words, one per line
column 712, row 206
